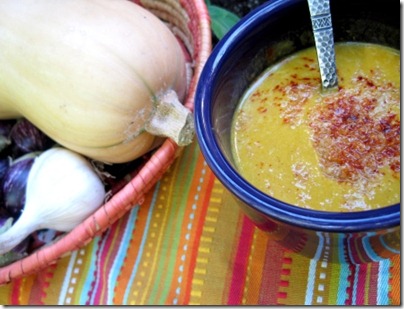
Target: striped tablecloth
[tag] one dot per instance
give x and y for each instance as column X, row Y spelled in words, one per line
column 188, row 243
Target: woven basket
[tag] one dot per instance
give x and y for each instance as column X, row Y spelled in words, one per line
column 190, row 22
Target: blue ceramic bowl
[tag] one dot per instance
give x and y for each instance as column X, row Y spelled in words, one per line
column 272, row 31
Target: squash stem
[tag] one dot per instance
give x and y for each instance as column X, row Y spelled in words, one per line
column 171, row 119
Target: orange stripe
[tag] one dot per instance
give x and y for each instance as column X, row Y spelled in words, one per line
column 193, row 240
column 27, row 283
column 395, row 281
column 255, row 273
column 133, row 249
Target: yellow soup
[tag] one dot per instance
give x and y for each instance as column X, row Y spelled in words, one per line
column 334, row 151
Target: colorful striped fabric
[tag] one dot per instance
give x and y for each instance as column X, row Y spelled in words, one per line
column 188, row 243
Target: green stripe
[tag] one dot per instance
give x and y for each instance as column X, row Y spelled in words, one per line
column 334, row 282
column 174, row 224
column 165, row 266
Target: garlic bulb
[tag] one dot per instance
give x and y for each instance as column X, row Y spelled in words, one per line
column 62, row 190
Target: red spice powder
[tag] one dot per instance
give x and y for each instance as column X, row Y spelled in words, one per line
column 297, row 90
column 352, row 138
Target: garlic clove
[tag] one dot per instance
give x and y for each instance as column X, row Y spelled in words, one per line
column 63, row 189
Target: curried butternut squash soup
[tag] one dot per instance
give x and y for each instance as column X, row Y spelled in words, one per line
column 335, row 150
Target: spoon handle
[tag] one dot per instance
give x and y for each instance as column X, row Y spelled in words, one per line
column 323, row 35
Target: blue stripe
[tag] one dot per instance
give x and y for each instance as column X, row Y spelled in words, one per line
column 87, row 285
column 355, row 284
column 355, row 281
column 388, row 247
column 98, row 278
column 368, row 248
column 383, row 282
column 344, row 272
column 142, row 244
column 121, row 254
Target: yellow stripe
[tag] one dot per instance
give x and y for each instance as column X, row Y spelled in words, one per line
column 206, row 239
column 209, row 229
column 211, row 219
column 249, row 270
column 217, row 190
column 196, row 293
column 200, row 271
column 204, row 258
column 201, row 260
column 213, row 209
column 367, row 284
column 204, row 249
column 197, row 281
column 217, row 200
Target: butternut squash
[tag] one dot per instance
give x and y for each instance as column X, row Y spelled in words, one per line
column 101, row 77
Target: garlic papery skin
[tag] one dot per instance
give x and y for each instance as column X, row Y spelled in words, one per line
column 63, row 189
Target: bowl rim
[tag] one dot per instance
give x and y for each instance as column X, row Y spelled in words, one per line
column 367, row 220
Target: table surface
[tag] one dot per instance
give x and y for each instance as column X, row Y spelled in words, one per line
column 189, row 243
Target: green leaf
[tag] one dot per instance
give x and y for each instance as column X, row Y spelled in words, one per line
column 10, row 257
column 222, row 20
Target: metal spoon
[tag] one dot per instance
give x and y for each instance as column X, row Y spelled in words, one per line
column 324, row 39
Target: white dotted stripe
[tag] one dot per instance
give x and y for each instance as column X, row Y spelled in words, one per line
column 78, row 260
column 323, row 268
column 188, row 235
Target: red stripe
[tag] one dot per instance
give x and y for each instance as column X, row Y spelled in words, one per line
column 350, row 277
column 15, row 291
column 351, row 280
column 241, row 262
column 272, row 269
column 360, row 287
column 41, row 285
column 372, row 289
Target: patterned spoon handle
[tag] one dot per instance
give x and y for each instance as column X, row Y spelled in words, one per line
column 323, row 35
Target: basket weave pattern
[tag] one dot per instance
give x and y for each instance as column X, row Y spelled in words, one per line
column 189, row 21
